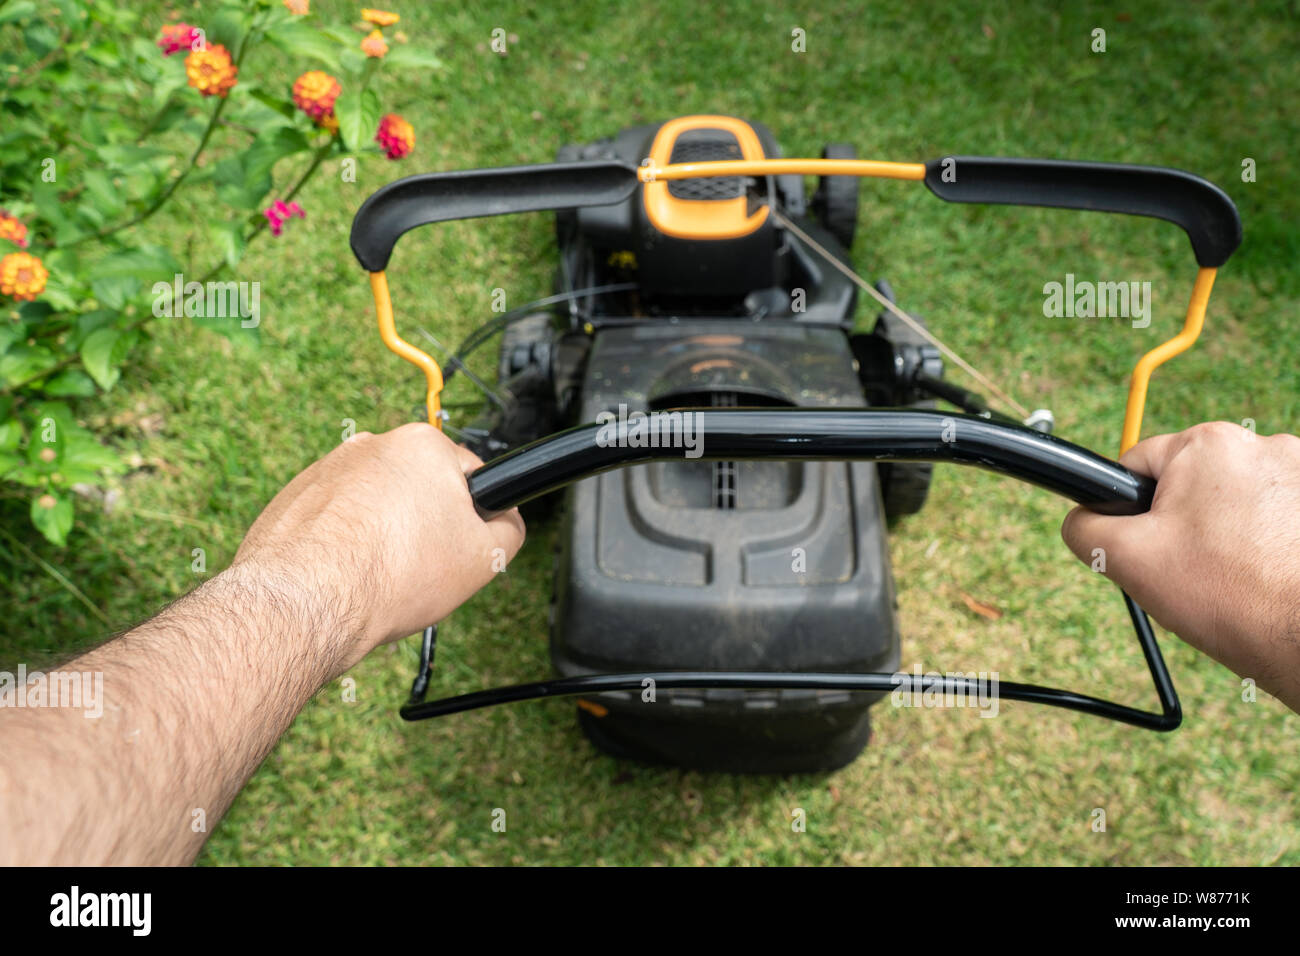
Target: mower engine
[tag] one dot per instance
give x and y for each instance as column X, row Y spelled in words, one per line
column 698, row 564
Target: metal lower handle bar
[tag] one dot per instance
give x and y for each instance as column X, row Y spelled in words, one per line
column 820, row 434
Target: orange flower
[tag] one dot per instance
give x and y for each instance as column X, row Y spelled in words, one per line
column 315, row 92
column 374, row 45
column 329, row 123
column 211, row 71
column 22, row 276
column 12, row 229
column 380, row 18
column 396, row 136
column 299, row 7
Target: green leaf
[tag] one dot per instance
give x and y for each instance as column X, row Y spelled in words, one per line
column 28, row 475
column 33, row 313
column 11, row 433
column 298, row 39
column 52, row 427
column 226, row 27
column 58, row 295
column 55, row 522
column 22, row 362
column 147, row 263
column 90, row 321
column 340, row 35
column 102, row 353
column 106, row 53
column 70, row 383
column 283, row 107
column 40, row 38
column 353, row 63
column 406, row 57
column 358, row 118
column 229, row 237
column 115, row 291
column 16, row 10
column 106, row 197
column 92, row 128
column 267, row 150
column 49, row 207
column 128, row 154
column 88, row 456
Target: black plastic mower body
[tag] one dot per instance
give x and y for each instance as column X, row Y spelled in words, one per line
column 777, row 566
column 725, row 565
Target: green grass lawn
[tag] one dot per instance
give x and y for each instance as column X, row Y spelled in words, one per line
column 218, row 427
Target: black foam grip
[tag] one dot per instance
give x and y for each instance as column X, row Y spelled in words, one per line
column 1201, row 208
column 472, row 193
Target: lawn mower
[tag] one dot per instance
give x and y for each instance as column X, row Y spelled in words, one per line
column 729, row 451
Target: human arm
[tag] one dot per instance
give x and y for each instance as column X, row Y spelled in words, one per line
column 367, row 545
column 1217, row 558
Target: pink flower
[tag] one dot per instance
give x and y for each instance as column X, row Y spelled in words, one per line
column 395, row 136
column 279, row 212
column 180, row 36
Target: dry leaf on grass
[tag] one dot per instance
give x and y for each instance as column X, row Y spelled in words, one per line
column 979, row 607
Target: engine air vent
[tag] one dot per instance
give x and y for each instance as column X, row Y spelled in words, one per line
column 703, row 146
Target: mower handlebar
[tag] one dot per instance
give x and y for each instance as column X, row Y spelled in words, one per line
column 823, row 434
column 1202, row 209
column 472, row 193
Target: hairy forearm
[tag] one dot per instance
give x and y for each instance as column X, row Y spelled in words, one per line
column 193, row 701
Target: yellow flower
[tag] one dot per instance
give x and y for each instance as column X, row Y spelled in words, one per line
column 299, row 7
column 211, row 71
column 22, row 276
column 380, row 18
column 315, row 92
column 374, row 44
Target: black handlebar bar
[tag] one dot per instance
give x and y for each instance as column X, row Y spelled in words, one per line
column 827, row 434
column 473, row 193
column 1201, row 208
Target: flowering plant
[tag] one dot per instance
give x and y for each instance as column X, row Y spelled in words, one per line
column 81, row 176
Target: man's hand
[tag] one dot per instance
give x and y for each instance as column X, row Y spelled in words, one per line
column 1217, row 558
column 382, row 532
column 372, row 542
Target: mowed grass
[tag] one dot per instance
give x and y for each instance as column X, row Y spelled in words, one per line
column 219, row 427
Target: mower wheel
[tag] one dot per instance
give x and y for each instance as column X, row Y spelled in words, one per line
column 835, row 203
column 524, row 378
column 518, row 341
column 904, row 485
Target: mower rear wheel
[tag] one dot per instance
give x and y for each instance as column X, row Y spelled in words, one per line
column 904, row 485
column 518, row 340
column 835, row 203
column 524, row 379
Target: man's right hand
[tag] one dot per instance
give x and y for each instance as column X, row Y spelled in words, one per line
column 381, row 533
column 1217, row 558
